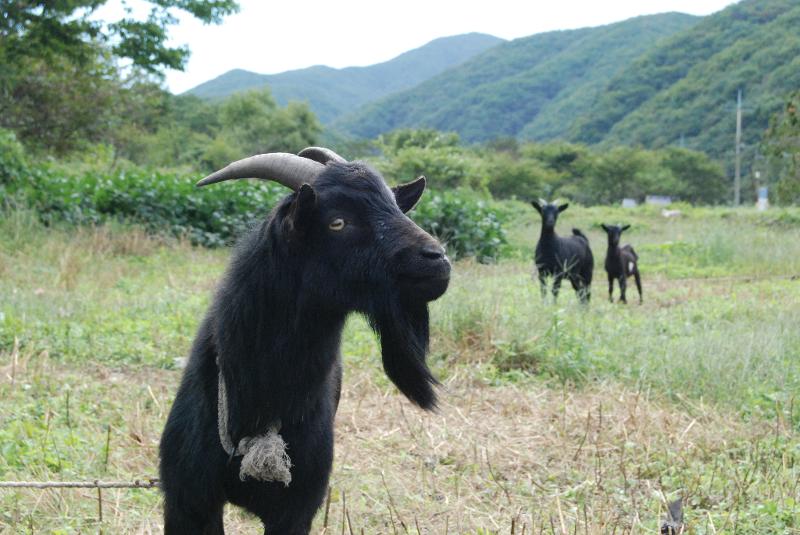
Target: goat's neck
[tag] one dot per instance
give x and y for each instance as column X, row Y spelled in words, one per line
column 548, row 234
column 280, row 346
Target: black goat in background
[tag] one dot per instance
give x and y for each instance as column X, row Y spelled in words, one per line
column 271, row 338
column 621, row 263
column 558, row 257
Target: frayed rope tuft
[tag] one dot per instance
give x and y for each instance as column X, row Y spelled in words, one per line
column 264, row 457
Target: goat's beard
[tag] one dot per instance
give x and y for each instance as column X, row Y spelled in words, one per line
column 403, row 331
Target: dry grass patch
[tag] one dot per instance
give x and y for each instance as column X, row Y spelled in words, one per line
column 598, row 460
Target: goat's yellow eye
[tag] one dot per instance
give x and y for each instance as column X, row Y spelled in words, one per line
column 336, row 224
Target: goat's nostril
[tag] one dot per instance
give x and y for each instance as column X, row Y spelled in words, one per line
column 432, row 252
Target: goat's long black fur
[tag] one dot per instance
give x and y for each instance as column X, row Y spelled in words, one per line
column 562, row 257
column 275, row 328
column 621, row 263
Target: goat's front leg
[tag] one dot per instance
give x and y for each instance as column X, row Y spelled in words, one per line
column 622, row 287
column 543, row 285
column 610, row 288
column 557, row 285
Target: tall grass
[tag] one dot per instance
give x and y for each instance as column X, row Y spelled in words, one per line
column 553, row 414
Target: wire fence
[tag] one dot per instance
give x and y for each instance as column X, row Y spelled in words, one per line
column 96, row 484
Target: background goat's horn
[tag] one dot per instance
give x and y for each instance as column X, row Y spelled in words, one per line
column 287, row 169
column 321, row 155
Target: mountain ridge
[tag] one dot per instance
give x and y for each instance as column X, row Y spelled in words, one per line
column 501, row 90
column 331, row 92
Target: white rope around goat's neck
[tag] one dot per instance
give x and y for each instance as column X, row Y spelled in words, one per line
column 264, row 457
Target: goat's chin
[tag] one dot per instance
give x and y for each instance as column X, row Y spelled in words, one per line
column 403, row 332
column 423, row 290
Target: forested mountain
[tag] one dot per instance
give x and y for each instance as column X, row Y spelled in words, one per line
column 651, row 81
column 685, row 88
column 331, row 92
column 533, row 87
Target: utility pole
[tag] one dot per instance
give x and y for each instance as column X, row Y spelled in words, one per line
column 737, row 183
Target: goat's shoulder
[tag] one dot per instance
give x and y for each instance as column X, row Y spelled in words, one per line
column 627, row 251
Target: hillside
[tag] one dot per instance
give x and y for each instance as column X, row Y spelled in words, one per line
column 331, row 92
column 686, row 87
column 534, row 86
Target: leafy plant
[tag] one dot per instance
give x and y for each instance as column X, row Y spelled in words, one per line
column 464, row 222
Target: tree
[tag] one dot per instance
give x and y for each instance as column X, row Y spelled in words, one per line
column 424, row 138
column 67, row 79
column 254, row 122
column 53, row 30
column 696, row 177
column 617, row 174
column 782, row 145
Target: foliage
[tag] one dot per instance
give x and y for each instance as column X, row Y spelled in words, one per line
column 65, row 29
column 409, row 153
column 444, row 167
column 507, row 168
column 393, row 142
column 653, row 82
column 508, row 176
column 697, row 179
column 69, row 80
column 163, row 202
column 147, row 126
column 467, row 224
column 256, row 125
column 686, row 87
column 13, row 162
column 782, row 145
column 58, row 106
column 168, row 203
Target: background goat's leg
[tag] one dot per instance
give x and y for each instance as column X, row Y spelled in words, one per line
column 543, row 285
column 622, row 286
column 557, row 285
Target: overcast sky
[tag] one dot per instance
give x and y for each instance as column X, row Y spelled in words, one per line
column 269, row 37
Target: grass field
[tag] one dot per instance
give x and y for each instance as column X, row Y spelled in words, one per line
column 555, row 418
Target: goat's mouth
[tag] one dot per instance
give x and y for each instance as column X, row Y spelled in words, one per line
column 425, row 286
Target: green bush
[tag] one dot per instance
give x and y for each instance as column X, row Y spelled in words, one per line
column 464, row 222
column 13, row 165
column 169, row 203
column 162, row 202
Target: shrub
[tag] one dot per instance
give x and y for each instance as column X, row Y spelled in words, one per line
column 162, row 202
column 13, row 165
column 463, row 221
column 167, row 202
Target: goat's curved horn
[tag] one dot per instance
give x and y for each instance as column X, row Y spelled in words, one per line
column 321, row 155
column 287, row 169
column 542, row 202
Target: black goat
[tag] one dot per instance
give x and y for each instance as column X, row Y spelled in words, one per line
column 268, row 351
column 558, row 257
column 621, row 263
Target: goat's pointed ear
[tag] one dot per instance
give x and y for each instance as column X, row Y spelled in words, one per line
column 563, row 207
column 626, row 227
column 604, row 226
column 301, row 211
column 536, row 205
column 407, row 195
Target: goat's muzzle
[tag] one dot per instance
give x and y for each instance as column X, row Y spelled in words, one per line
column 424, row 271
